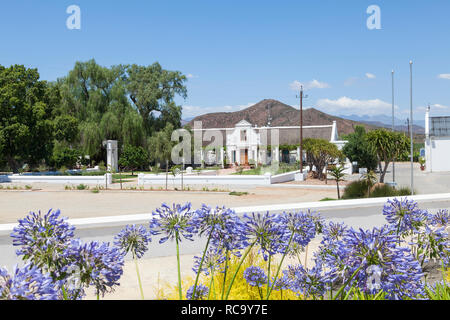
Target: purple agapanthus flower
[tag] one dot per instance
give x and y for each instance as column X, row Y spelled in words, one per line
column 440, row 218
column 358, row 253
column 27, row 283
column 134, row 239
column 255, row 276
column 432, row 243
column 227, row 231
column 309, row 282
column 173, row 222
column 42, row 239
column 97, row 264
column 212, row 261
column 300, row 226
column 404, row 215
column 282, row 283
column 201, row 292
column 266, row 231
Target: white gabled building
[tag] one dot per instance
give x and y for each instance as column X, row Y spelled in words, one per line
column 246, row 143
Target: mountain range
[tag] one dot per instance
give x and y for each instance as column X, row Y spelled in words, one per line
column 279, row 114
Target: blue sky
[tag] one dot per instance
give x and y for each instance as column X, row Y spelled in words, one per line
column 237, row 53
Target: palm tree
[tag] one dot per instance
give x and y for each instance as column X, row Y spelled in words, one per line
column 370, row 177
column 338, row 175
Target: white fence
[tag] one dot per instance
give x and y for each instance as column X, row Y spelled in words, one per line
column 267, row 179
column 97, row 180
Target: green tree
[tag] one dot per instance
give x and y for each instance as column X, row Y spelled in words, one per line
column 387, row 145
column 357, row 149
column 338, row 174
column 370, row 178
column 26, row 126
column 320, row 153
column 133, row 158
column 65, row 128
column 152, row 90
column 64, row 156
column 160, row 145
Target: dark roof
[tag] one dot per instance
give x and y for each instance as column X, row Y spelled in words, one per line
column 287, row 136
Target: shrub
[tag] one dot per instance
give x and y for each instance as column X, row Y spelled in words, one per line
column 383, row 190
column 404, row 191
column 241, row 289
column 355, row 190
column 82, row 187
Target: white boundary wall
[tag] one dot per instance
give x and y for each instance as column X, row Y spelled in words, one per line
column 267, row 179
column 97, row 180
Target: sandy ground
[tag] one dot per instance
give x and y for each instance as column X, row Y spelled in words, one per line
column 82, row 204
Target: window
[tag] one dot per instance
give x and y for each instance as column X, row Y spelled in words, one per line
column 243, row 135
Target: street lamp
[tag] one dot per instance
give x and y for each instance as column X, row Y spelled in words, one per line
column 411, row 128
column 393, row 129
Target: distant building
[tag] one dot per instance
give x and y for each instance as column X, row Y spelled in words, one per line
column 437, row 143
column 246, row 143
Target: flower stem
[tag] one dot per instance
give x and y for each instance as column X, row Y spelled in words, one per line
column 225, row 273
column 347, row 282
column 268, row 274
column 279, row 266
column 201, row 263
column 138, row 276
column 237, row 269
column 178, row 266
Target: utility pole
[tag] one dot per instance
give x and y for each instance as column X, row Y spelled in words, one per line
column 411, row 128
column 301, row 130
column 393, row 128
column 301, row 127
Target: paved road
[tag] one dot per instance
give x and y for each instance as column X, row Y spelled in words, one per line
column 365, row 217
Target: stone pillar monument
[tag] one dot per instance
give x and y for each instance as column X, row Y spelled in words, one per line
column 112, row 155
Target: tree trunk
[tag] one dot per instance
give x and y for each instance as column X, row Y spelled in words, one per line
column 383, row 173
column 338, row 192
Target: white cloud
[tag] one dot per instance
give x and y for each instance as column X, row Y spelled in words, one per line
column 433, row 106
column 370, row 75
column 314, row 84
column 444, row 76
column 349, row 106
column 193, row 111
column 191, row 76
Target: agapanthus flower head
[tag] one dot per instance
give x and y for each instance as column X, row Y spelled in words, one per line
column 98, row 264
column 173, row 222
column 27, row 283
column 134, row 239
column 223, row 225
column 42, row 238
column 432, row 243
column 404, row 215
column 201, row 292
column 212, row 262
column 282, row 283
column 300, row 225
column 309, row 282
column 358, row 253
column 334, row 231
column 255, row 276
column 267, row 232
column 440, row 218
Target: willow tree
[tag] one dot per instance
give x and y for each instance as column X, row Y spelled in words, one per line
column 387, row 145
column 152, row 91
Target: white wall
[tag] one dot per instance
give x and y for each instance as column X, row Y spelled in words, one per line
column 438, row 154
column 97, row 180
column 152, row 179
